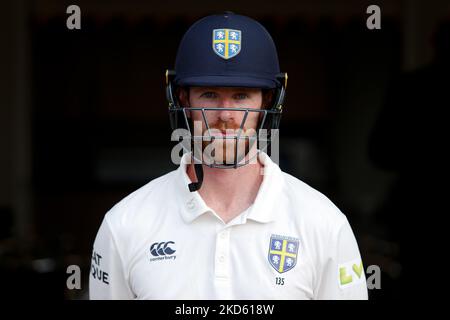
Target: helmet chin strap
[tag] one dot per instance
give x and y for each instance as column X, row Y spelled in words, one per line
column 195, row 186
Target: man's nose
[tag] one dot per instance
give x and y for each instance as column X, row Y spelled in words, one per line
column 226, row 115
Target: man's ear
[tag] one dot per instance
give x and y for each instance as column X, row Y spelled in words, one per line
column 183, row 96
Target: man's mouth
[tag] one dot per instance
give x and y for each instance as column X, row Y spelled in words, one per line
column 225, row 133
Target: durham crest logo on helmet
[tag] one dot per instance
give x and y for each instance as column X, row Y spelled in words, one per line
column 227, row 42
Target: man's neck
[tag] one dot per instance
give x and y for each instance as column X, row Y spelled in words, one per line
column 229, row 192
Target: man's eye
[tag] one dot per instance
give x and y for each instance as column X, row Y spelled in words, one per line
column 241, row 96
column 208, row 95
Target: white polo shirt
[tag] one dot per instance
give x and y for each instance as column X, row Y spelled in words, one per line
column 164, row 242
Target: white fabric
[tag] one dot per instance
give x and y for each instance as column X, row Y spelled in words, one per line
column 214, row 260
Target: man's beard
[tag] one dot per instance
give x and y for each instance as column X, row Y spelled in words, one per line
column 220, row 149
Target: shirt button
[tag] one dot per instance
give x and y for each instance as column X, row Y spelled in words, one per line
column 221, row 259
column 223, row 235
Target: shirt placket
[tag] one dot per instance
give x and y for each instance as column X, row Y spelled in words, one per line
column 222, row 257
column 222, row 264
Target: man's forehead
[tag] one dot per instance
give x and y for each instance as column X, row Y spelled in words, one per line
column 197, row 88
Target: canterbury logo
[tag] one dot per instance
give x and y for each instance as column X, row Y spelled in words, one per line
column 161, row 248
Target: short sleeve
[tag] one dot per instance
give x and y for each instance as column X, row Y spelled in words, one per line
column 342, row 276
column 107, row 280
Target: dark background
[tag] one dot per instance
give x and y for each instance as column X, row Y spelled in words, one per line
column 83, row 122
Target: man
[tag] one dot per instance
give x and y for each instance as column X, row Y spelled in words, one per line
column 228, row 224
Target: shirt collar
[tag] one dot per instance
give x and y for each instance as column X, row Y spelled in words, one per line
column 262, row 210
column 192, row 203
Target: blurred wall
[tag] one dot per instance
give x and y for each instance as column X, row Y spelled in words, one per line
column 15, row 110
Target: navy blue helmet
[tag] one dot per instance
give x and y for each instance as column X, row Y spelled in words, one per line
column 227, row 50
